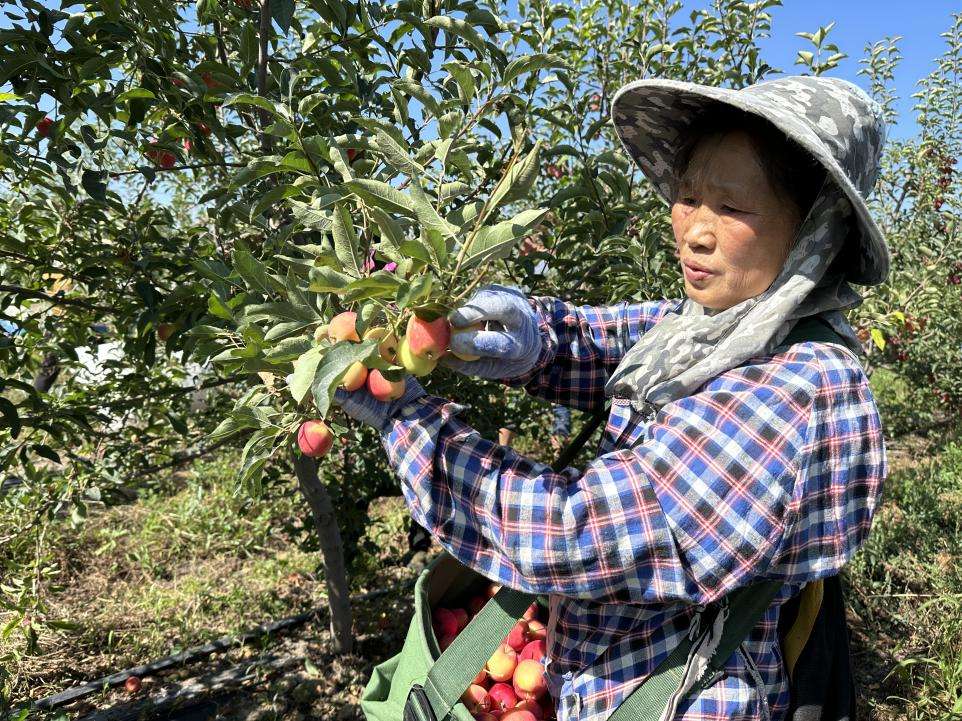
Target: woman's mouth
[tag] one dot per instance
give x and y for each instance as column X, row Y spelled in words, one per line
column 694, row 275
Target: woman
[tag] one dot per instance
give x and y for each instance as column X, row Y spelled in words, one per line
column 728, row 457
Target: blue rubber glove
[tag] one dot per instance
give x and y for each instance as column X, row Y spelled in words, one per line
column 362, row 406
column 510, row 343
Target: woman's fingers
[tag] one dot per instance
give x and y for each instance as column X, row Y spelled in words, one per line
column 487, row 344
column 490, row 303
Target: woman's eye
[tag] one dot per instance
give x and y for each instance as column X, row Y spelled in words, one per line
column 687, row 200
column 730, row 209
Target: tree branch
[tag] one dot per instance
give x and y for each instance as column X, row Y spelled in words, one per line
column 263, row 55
column 55, row 299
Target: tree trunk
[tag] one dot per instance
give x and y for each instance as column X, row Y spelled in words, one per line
column 332, row 552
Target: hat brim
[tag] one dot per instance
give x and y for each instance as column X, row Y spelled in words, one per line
column 650, row 118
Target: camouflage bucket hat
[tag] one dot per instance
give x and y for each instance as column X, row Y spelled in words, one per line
column 833, row 119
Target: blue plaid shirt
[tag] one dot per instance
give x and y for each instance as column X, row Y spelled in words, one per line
column 770, row 470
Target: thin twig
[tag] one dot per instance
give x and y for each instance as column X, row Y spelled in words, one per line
column 55, row 299
column 263, row 54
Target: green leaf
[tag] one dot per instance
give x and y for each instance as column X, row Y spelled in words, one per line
column 878, row 338
column 381, row 195
column 465, row 80
column 376, row 285
column 288, row 349
column 327, row 280
column 263, row 103
column 517, row 182
column 255, row 273
column 218, row 308
column 595, row 127
column 286, row 329
column 497, row 241
column 426, row 213
column 414, row 291
column 255, row 171
column 282, row 12
column 10, row 416
column 332, row 367
column 340, row 160
column 297, row 161
column 419, row 93
column 135, row 93
column 273, row 311
column 436, row 245
column 346, row 242
column 397, row 155
column 391, row 231
column 530, row 63
column 299, row 382
column 455, row 26
column 417, row 250
column 275, row 194
column 448, row 192
column 95, row 184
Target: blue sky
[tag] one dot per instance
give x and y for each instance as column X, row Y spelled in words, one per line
column 859, row 22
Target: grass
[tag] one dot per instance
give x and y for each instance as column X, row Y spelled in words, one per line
column 190, row 561
column 906, row 593
column 193, row 559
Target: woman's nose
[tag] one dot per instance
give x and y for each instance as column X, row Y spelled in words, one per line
column 700, row 229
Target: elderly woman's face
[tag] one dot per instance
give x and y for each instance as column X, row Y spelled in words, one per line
column 728, row 220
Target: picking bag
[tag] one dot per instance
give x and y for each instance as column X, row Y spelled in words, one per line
column 399, row 687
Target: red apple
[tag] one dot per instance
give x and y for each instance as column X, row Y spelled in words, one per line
column 476, row 699
column 428, row 339
column 518, row 714
column 476, row 604
column 444, row 622
column 343, row 326
column 518, row 636
column 533, row 650
column 536, row 630
column 502, row 663
column 529, row 680
column 355, row 376
column 314, row 438
column 202, row 128
column 385, row 390
column 43, row 127
column 532, row 706
column 388, row 342
column 462, row 617
column 165, row 330
column 132, row 684
column 502, row 698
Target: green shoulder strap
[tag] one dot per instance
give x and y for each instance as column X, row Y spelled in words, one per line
column 460, row 662
column 812, row 328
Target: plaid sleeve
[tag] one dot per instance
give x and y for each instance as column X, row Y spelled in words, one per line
column 582, row 345
column 709, row 500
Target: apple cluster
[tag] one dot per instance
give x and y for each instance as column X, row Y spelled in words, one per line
column 512, row 685
column 418, row 352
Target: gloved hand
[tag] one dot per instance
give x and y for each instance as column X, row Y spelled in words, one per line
column 362, row 406
column 510, row 343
